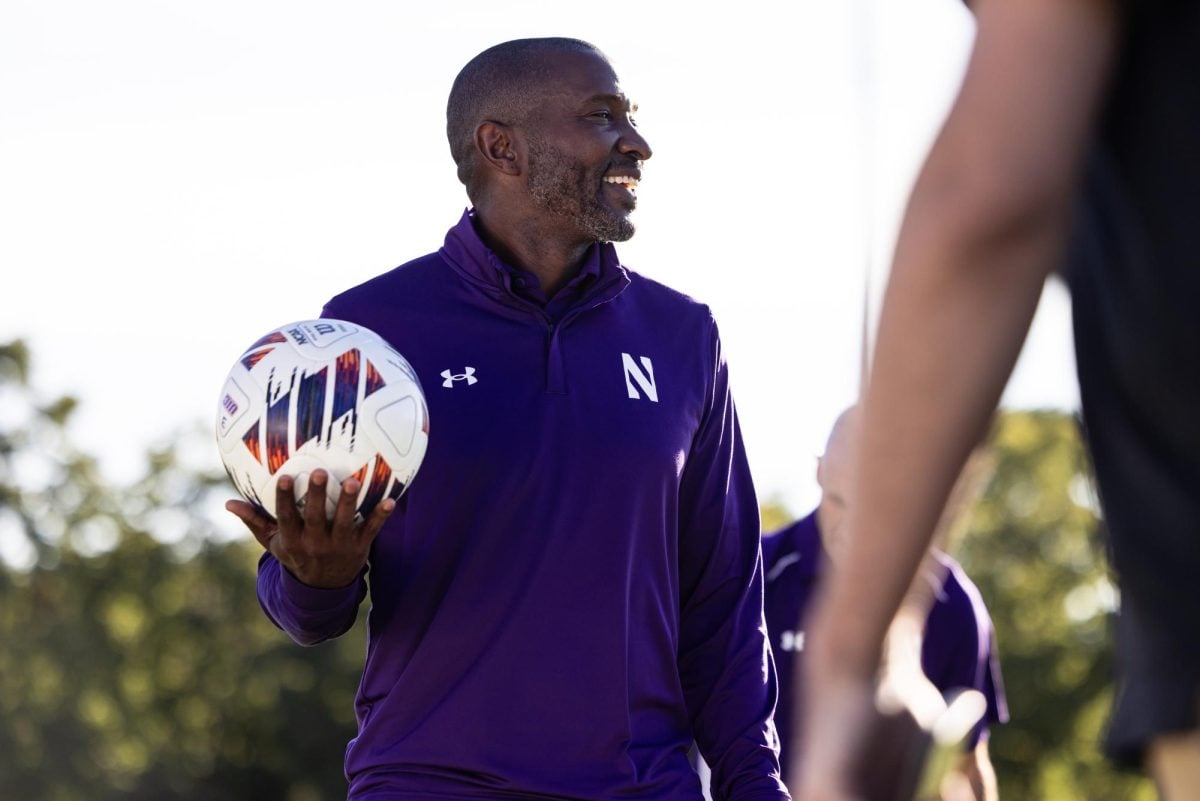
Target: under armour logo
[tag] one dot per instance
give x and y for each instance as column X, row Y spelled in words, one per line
column 468, row 375
column 643, row 376
column 792, row 641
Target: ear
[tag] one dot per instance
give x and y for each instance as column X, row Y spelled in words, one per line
column 496, row 144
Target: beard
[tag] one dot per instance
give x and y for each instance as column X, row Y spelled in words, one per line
column 566, row 188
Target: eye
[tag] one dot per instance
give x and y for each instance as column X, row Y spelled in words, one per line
column 603, row 114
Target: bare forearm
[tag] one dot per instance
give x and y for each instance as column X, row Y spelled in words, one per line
column 985, row 226
column 987, row 222
column 947, row 342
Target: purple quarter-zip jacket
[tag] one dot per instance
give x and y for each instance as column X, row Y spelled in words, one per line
column 570, row 592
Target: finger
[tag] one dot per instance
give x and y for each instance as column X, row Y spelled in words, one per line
column 343, row 515
column 314, row 503
column 374, row 524
column 290, row 523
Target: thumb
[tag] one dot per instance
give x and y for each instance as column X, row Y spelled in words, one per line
column 260, row 525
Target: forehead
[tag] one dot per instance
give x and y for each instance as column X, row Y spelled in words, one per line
column 576, row 77
column 836, row 464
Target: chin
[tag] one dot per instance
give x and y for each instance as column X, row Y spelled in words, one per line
column 619, row 228
column 625, row 234
column 602, row 223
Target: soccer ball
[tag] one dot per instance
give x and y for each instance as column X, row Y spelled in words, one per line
column 328, row 394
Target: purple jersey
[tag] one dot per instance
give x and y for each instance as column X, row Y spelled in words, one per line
column 957, row 652
column 570, row 591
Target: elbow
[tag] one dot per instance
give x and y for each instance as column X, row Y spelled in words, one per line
column 307, row 633
column 308, row 636
column 308, row 639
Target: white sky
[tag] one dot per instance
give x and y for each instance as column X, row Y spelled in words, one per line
column 178, row 178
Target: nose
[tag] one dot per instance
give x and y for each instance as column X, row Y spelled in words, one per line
column 634, row 144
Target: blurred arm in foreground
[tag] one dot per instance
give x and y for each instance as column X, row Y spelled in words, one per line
column 987, row 222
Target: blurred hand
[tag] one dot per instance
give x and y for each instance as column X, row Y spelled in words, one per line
column 319, row 552
column 902, row 681
column 838, row 721
column 892, row 741
column 862, row 748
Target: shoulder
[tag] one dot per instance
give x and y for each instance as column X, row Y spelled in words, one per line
column 958, row 585
column 794, row 549
column 959, row 601
column 399, row 282
column 661, row 297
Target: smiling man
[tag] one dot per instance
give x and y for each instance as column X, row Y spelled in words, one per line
column 570, row 593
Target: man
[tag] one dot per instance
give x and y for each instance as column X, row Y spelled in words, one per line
column 1055, row 90
column 569, row 594
column 957, row 647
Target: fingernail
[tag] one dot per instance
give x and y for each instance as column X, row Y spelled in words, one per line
column 318, row 478
column 388, row 505
column 285, row 482
column 351, row 485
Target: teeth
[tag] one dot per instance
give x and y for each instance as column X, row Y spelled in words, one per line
column 624, row 180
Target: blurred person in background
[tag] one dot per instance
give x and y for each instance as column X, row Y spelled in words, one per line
column 956, row 648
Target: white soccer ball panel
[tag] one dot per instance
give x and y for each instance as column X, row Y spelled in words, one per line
column 232, row 409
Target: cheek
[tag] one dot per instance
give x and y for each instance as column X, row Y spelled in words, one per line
column 577, row 180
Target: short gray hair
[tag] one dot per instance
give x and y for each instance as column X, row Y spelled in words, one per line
column 500, row 84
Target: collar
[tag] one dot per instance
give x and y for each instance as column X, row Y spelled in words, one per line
column 601, row 278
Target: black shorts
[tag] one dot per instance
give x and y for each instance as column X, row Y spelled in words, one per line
column 1137, row 342
column 1158, row 684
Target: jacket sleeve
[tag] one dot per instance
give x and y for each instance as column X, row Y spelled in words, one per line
column 308, row 615
column 973, row 662
column 725, row 661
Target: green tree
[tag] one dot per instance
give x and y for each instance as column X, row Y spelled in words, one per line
column 136, row 663
column 1034, row 546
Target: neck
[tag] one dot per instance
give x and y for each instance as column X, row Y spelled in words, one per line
column 551, row 256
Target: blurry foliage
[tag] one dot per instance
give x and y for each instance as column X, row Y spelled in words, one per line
column 137, row 665
column 1034, row 546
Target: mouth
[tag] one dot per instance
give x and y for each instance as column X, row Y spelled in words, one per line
column 625, row 188
column 629, row 182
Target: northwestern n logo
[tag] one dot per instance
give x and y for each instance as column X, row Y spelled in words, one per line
column 643, row 376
